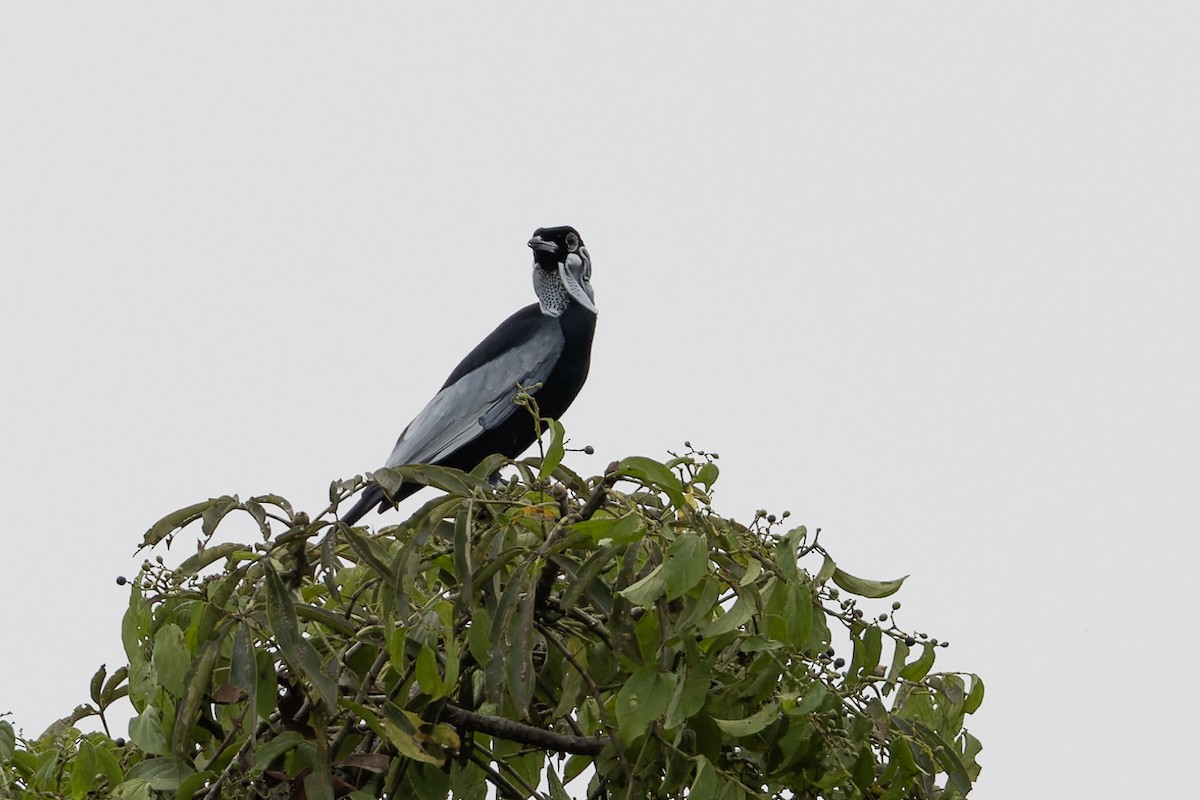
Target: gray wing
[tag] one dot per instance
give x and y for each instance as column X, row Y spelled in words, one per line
column 478, row 401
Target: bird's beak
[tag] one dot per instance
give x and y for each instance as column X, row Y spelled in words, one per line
column 538, row 243
column 571, row 273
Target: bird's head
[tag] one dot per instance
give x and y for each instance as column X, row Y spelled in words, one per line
column 562, row 270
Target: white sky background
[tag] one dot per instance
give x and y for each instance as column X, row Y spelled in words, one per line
column 925, row 275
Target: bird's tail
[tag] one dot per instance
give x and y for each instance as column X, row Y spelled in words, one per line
column 372, row 496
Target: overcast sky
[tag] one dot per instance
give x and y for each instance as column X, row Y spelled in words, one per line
column 927, row 275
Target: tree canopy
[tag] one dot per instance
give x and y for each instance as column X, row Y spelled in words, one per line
column 550, row 637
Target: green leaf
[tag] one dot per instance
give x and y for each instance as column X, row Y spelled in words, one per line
column 134, row 626
column 297, row 651
column 707, row 475
column 216, row 512
column 946, row 756
column 83, row 771
column 557, row 790
column 107, row 763
column 171, row 659
column 872, row 641
column 701, row 608
column 161, row 774
column 97, row 684
column 176, row 520
column 464, row 567
column 620, row 530
column 8, row 742
column 752, row 724
column 575, row 765
column 370, row 553
column 919, row 668
column 191, row 785
column 427, row 673
column 691, row 692
column 114, row 688
column 479, row 634
column 814, row 698
column 146, row 731
column 650, row 473
column 643, row 698
column 646, row 591
column 585, row 579
column 704, row 787
column 862, row 772
column 554, row 454
column 787, row 553
column 133, row 789
column 397, row 653
column 197, row 687
column 451, row 481
column 273, row 749
column 826, row 571
column 866, row 588
column 334, row 622
column 243, row 668
column 518, row 658
column 975, row 696
column 731, row 620
column 899, row 657
column 208, row 555
column 512, row 632
column 686, row 564
column 400, row 728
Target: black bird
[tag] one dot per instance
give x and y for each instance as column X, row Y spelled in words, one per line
column 549, row 342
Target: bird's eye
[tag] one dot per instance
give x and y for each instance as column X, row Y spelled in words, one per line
column 572, row 242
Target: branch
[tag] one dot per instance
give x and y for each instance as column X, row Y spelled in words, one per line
column 520, row 732
column 550, row 572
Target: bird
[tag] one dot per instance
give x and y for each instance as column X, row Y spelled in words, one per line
column 544, row 349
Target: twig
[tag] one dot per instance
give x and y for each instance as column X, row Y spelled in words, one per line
column 229, row 737
column 550, row 572
column 361, row 695
column 214, row 791
column 503, row 787
column 520, row 732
